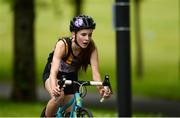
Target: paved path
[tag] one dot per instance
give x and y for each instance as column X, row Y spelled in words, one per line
column 139, row 103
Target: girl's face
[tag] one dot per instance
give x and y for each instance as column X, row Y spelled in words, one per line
column 83, row 37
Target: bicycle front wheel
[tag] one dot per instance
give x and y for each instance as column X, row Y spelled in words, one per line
column 83, row 112
column 43, row 113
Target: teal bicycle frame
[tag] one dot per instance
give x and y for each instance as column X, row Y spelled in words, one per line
column 76, row 101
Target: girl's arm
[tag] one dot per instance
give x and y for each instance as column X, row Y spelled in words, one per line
column 96, row 74
column 95, row 66
column 58, row 54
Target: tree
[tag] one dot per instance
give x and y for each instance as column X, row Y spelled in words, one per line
column 78, row 6
column 139, row 49
column 24, row 88
column 179, row 42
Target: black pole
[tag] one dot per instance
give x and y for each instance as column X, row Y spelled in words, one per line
column 122, row 21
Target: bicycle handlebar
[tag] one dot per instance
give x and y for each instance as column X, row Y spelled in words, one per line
column 105, row 83
column 84, row 83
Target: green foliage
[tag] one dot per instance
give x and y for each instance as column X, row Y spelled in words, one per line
column 6, row 1
column 159, row 24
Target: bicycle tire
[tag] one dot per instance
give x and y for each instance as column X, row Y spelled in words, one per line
column 84, row 112
column 43, row 113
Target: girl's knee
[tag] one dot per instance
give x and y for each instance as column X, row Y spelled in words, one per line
column 58, row 100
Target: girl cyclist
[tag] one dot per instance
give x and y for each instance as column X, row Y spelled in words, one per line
column 71, row 54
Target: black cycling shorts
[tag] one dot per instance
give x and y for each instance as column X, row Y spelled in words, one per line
column 69, row 89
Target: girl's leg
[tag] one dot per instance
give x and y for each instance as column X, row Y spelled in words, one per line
column 53, row 103
column 67, row 99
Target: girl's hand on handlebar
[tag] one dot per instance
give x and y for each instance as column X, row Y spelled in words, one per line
column 105, row 93
column 56, row 91
column 60, row 94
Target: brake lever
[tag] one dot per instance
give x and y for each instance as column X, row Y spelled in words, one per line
column 107, row 85
column 61, row 82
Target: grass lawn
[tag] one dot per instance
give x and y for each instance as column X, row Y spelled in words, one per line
column 19, row 109
column 160, row 34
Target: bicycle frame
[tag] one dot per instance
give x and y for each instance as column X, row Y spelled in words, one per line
column 76, row 101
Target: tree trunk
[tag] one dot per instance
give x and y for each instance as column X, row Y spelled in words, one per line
column 78, row 7
column 139, row 49
column 179, row 43
column 24, row 85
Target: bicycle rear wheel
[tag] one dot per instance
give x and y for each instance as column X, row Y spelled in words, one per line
column 83, row 112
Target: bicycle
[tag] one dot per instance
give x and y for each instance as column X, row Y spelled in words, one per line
column 78, row 109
